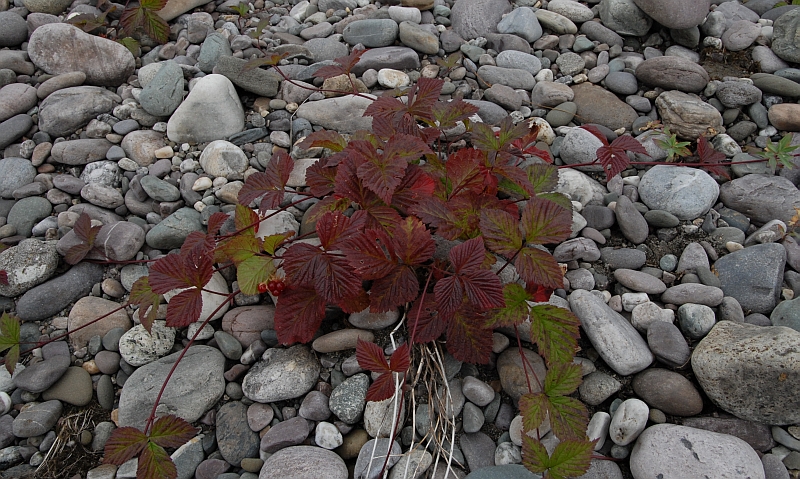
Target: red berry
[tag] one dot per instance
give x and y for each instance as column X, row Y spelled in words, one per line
column 262, row 287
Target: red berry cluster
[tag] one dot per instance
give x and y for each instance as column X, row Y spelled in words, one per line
column 275, row 286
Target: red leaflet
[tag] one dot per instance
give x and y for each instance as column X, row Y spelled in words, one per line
column 415, row 187
column 147, row 300
column 87, row 234
column 467, row 339
column 371, row 254
column 270, row 183
column 401, row 359
column 183, row 270
column 395, row 289
column 543, row 178
column 412, row 241
column 330, row 275
column 389, row 261
column 501, row 232
column 436, row 213
column 216, row 221
column 124, row 444
column 154, row 462
column 614, row 156
column 298, row 314
column 391, row 115
column 382, row 388
column 184, row 308
column 468, row 256
column 424, row 321
column 171, row 431
column 464, row 172
column 379, row 172
column 371, row 357
column 709, row 157
column 539, row 267
column 482, row 287
column 3, row 277
column 320, row 179
column 335, row 228
column 343, row 65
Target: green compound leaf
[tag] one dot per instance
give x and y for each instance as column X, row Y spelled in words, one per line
column 571, row 458
column 568, row 416
column 254, row 271
column 555, row 332
column 516, row 309
column 9, row 340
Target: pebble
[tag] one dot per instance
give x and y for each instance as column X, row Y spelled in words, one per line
column 303, row 462
column 668, row 391
column 628, row 421
column 762, row 398
column 105, row 137
column 617, row 342
column 270, row 379
column 677, row 450
column 197, row 385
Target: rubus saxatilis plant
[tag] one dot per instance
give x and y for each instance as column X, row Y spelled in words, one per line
column 405, row 220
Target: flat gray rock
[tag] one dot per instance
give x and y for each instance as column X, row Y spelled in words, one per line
column 28, row 264
column 673, row 451
column 282, row 374
column 753, row 276
column 64, row 111
column 303, row 462
column 476, row 18
column 687, row 116
column 617, row 342
column 211, row 111
column 675, row 13
column 61, row 48
column 687, row 193
column 196, row 385
column 762, row 198
column 343, row 114
column 751, row 371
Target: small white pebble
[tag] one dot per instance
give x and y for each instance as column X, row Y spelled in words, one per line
column 202, row 183
column 733, row 246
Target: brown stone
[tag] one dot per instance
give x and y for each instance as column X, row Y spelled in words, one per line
column 341, row 340
column 246, row 323
column 785, row 116
column 88, row 309
column 421, row 4
column 338, row 85
column 598, row 105
column 141, row 146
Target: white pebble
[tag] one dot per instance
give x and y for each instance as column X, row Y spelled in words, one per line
column 733, row 246
column 202, row 183
column 598, row 428
column 628, row 422
column 328, row 436
column 5, row 403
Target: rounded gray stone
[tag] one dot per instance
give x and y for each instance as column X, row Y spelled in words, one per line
column 679, row 451
column 303, row 462
column 195, row 386
column 282, row 374
column 687, row 193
